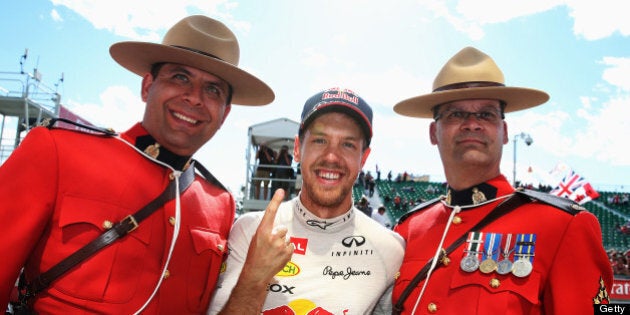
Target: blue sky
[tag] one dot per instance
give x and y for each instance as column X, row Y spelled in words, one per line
column 577, row 51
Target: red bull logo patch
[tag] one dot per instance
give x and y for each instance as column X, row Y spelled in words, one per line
column 298, row 307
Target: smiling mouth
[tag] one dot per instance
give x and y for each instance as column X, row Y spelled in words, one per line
column 328, row 175
column 185, row 118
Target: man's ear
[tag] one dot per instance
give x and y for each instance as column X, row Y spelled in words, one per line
column 147, row 81
column 226, row 112
column 432, row 132
column 296, row 149
column 506, row 136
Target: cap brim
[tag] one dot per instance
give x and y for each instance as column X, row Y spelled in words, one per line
column 516, row 99
column 138, row 57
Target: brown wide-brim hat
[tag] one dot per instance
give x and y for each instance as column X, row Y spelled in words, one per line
column 470, row 74
column 203, row 43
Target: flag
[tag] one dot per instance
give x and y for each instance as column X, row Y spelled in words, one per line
column 584, row 194
column 576, row 188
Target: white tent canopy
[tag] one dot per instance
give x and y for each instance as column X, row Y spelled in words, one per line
column 274, row 133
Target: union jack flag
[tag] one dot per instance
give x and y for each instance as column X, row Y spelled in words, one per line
column 575, row 187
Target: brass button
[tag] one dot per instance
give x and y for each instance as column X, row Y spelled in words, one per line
column 166, row 274
column 445, row 260
column 432, row 308
column 220, row 247
column 457, row 219
column 495, row 283
column 397, row 275
column 171, row 220
column 107, row 224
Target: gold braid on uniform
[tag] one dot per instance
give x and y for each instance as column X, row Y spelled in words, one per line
column 602, row 295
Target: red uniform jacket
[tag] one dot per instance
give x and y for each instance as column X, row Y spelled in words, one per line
column 570, row 267
column 59, row 187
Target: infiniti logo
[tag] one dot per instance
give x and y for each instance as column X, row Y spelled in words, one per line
column 356, row 240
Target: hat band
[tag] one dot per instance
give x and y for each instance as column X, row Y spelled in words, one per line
column 198, row 51
column 467, row 85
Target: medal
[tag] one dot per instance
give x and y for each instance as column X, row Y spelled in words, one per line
column 522, row 267
column 524, row 250
column 470, row 263
column 488, row 266
column 490, row 253
column 505, row 265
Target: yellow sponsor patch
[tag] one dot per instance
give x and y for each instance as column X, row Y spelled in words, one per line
column 289, row 270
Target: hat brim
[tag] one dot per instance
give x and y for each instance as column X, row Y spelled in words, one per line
column 138, row 57
column 516, row 99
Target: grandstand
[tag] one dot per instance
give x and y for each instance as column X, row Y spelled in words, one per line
column 610, row 215
column 612, row 212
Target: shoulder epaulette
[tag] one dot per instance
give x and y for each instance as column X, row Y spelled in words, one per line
column 417, row 208
column 208, row 176
column 50, row 123
column 564, row 204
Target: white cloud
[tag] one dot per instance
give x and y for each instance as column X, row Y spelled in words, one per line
column 617, row 73
column 604, row 135
column 55, row 16
column 592, row 19
column 498, row 11
column 469, row 16
column 599, row 19
column 471, row 28
column 144, row 19
column 119, row 109
column 595, row 130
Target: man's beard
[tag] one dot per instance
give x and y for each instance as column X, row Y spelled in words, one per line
column 326, row 198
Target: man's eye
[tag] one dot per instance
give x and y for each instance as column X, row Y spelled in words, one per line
column 457, row 114
column 486, row 115
column 180, row 77
column 213, row 90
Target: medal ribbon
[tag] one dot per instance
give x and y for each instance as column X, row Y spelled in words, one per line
column 491, row 246
column 507, row 243
column 525, row 246
column 475, row 239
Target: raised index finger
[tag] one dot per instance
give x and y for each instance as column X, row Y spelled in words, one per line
column 266, row 224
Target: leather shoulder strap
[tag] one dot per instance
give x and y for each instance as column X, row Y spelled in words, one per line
column 503, row 208
column 567, row 205
column 51, row 123
column 120, row 229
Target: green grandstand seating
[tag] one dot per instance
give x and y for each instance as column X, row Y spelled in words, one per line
column 612, row 239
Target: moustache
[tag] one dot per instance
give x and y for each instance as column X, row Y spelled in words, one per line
column 471, row 137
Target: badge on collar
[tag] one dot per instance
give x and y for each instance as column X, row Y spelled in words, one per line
column 153, row 150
